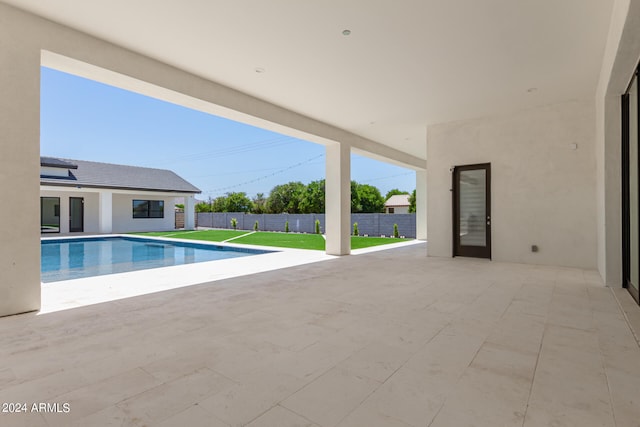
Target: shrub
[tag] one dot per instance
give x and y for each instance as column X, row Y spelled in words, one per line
column 317, row 226
column 255, row 226
column 395, row 231
column 234, row 223
column 286, row 226
column 355, row 229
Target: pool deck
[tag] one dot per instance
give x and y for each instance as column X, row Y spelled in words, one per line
column 94, row 290
column 389, row 338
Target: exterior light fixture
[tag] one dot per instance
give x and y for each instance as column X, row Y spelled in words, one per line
column 259, row 70
column 532, row 89
column 346, row 32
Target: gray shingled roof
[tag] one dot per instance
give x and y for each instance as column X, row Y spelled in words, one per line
column 107, row 175
column 57, row 163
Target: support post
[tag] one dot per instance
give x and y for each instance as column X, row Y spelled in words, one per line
column 105, row 212
column 421, row 205
column 338, row 199
column 189, row 212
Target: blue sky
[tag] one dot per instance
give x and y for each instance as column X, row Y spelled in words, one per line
column 85, row 120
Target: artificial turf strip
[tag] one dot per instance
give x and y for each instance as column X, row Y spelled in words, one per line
column 276, row 239
column 359, row 242
column 283, row 240
column 207, row 235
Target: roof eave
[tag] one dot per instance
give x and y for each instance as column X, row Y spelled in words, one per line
column 81, row 185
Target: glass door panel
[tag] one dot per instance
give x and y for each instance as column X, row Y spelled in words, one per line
column 49, row 214
column 634, row 230
column 473, row 207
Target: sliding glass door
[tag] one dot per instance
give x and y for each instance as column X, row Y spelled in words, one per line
column 49, row 214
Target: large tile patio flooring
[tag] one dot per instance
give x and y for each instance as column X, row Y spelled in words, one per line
column 389, row 338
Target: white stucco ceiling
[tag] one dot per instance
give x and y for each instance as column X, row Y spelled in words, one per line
column 406, row 64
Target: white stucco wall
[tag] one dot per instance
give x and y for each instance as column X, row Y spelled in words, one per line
column 398, row 209
column 124, row 222
column 543, row 191
column 90, row 209
column 621, row 57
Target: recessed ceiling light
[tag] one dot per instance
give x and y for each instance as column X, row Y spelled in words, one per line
column 259, row 70
column 346, row 32
column 532, row 89
column 372, row 123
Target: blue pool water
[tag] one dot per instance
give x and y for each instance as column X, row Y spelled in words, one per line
column 65, row 259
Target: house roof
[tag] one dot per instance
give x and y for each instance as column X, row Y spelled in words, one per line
column 398, row 200
column 57, row 163
column 107, row 175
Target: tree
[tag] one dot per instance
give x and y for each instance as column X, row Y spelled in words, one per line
column 369, row 199
column 204, row 206
column 285, row 198
column 313, row 198
column 394, row 192
column 219, row 204
column 412, row 202
column 232, row 202
column 259, row 204
column 238, row 202
column 356, row 207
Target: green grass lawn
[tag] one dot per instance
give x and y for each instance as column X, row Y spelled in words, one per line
column 208, row 235
column 266, row 238
column 284, row 240
column 359, row 242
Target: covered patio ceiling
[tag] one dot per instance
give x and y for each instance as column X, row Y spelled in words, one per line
column 402, row 67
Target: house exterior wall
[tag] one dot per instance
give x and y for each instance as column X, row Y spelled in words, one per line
column 90, row 209
column 124, row 222
column 542, row 191
column 621, row 56
column 397, row 209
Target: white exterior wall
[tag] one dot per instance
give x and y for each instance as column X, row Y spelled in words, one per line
column 90, row 209
column 398, row 209
column 124, row 222
column 621, row 57
column 542, row 191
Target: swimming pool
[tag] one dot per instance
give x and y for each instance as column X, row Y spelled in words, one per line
column 66, row 259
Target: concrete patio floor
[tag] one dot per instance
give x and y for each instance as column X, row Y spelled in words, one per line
column 388, row 338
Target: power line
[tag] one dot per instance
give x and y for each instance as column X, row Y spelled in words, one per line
column 231, row 150
column 222, row 189
column 387, row 177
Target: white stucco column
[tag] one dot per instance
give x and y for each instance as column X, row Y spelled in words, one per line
column 421, row 205
column 19, row 170
column 338, row 199
column 189, row 212
column 105, row 212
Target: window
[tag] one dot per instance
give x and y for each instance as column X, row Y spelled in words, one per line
column 49, row 214
column 392, row 210
column 148, row 208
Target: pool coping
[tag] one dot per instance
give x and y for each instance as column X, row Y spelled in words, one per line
column 64, row 295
